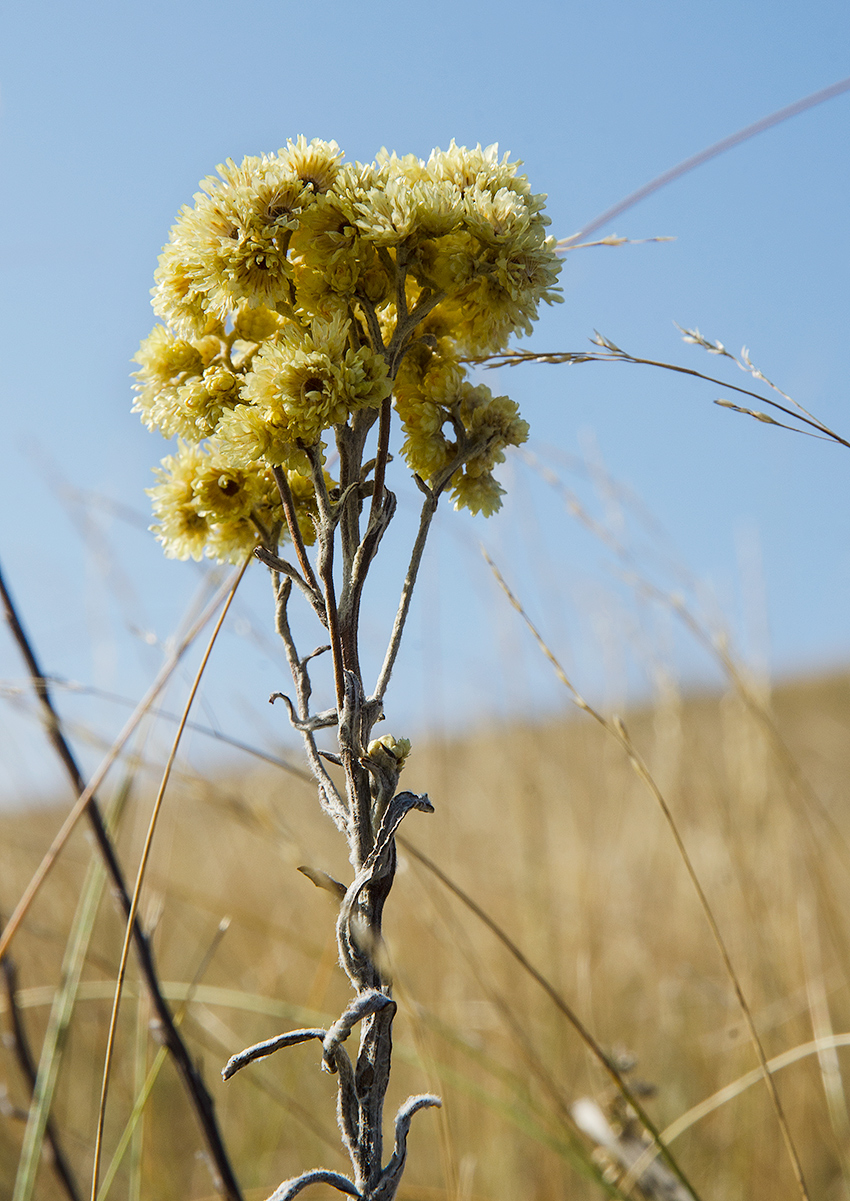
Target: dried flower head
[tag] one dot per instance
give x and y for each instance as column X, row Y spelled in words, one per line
column 299, row 293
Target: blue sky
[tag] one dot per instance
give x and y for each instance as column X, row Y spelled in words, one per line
column 111, row 114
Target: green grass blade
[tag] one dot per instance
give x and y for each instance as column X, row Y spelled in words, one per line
column 60, row 1016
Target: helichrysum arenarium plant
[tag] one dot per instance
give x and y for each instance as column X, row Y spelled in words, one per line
column 306, row 305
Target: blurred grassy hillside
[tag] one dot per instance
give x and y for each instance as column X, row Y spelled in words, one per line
column 551, row 832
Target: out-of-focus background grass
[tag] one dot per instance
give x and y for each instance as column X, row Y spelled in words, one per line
column 547, row 827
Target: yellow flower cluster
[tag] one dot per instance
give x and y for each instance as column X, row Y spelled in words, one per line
column 298, row 291
column 206, row 506
column 445, row 418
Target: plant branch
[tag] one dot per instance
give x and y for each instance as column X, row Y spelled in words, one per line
column 350, row 440
column 329, row 796
column 352, row 593
column 351, row 750
column 429, row 508
column 381, row 458
column 428, row 300
column 291, row 1188
column 372, row 324
column 273, row 561
column 268, row 1047
column 293, row 527
column 325, row 537
column 401, row 261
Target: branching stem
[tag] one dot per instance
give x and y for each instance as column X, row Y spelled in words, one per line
column 325, row 538
column 293, row 527
column 429, row 508
column 381, row 458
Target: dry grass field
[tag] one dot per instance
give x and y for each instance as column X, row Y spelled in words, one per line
column 550, row 831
